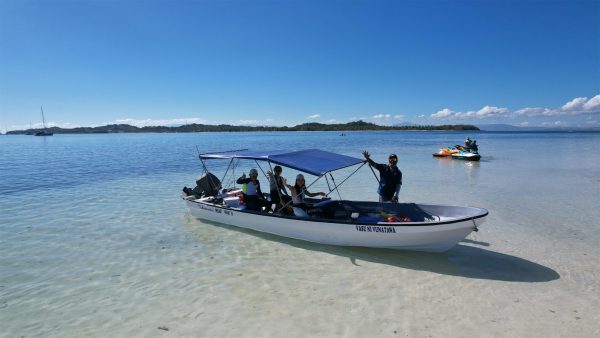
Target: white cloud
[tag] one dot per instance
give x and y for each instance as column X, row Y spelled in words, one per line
column 315, row 116
column 487, row 111
column 41, row 125
column 159, row 122
column 442, row 114
column 579, row 105
column 248, row 122
column 382, row 116
column 269, row 120
column 593, row 104
column 534, row 111
column 332, row 121
column 554, row 124
column 524, row 124
column 398, row 117
column 575, row 104
column 490, row 111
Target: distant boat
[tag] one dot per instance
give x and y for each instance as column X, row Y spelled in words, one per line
column 44, row 132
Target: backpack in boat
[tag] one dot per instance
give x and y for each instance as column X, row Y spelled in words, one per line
column 206, row 185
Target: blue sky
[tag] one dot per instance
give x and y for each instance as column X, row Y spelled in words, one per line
column 92, row 63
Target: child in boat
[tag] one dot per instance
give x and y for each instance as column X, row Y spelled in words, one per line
column 252, row 195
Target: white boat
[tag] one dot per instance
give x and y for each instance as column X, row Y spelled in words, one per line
column 408, row 226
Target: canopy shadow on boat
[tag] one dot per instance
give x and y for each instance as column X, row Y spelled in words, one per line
column 462, row 260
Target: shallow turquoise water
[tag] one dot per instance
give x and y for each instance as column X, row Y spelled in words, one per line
column 95, row 240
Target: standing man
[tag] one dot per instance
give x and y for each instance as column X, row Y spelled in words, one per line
column 390, row 178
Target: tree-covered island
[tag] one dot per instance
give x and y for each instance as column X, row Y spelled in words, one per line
column 193, row 128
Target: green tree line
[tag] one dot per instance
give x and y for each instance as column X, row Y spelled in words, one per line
column 192, row 128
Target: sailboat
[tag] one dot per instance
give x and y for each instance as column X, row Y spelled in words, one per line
column 44, row 132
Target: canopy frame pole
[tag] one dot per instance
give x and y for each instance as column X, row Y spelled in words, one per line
column 354, row 172
column 336, row 187
column 233, row 172
column 261, row 169
column 201, row 160
column 204, row 166
column 212, row 183
column 374, row 174
column 328, row 186
column 220, row 152
column 226, row 171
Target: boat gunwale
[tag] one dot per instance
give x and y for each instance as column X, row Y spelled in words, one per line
column 324, row 220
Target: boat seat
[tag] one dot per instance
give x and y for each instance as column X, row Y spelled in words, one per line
column 299, row 212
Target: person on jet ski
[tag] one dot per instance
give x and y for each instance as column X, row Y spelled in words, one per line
column 474, row 145
column 468, row 143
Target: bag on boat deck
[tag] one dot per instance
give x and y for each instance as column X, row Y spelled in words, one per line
column 207, row 185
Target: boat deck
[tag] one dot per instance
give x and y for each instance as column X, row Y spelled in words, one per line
column 363, row 211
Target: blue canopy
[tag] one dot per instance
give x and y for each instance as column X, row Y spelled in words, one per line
column 312, row 161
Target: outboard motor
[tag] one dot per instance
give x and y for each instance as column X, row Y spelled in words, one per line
column 206, row 185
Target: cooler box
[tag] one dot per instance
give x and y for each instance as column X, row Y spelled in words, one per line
column 232, row 202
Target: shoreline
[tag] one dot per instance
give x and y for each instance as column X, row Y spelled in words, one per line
column 329, row 131
column 194, row 128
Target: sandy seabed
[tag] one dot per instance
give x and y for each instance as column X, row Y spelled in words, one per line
column 221, row 281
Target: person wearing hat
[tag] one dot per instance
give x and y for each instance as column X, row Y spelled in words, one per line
column 252, row 195
column 390, row 178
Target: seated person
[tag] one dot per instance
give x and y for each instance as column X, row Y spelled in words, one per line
column 299, row 191
column 474, row 145
column 279, row 195
column 252, row 195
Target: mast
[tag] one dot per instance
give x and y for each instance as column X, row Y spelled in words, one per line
column 43, row 118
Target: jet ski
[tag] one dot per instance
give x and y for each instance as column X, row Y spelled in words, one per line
column 459, row 152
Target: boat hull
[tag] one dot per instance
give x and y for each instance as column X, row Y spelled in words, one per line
column 467, row 157
column 421, row 236
column 464, row 157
